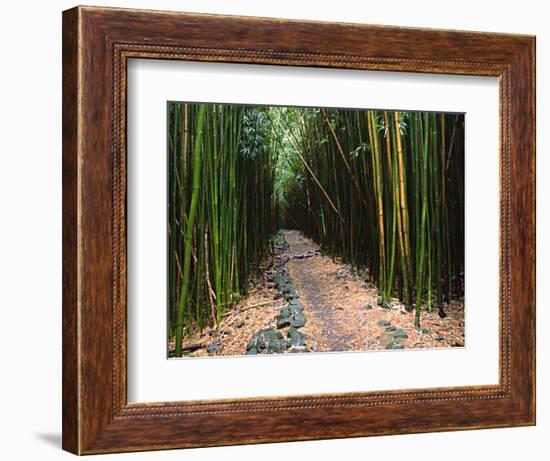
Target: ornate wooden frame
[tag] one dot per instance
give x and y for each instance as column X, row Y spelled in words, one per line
column 97, row 43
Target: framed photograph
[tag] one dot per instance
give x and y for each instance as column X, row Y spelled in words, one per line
column 282, row 230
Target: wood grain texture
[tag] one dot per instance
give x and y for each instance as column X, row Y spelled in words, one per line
column 70, row 384
column 97, row 42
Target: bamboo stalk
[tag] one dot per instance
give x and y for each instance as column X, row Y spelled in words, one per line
column 341, row 152
column 189, row 229
column 392, row 206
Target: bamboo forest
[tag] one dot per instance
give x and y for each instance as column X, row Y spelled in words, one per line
column 313, row 230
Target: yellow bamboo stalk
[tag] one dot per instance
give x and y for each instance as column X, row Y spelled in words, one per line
column 378, row 193
column 403, row 203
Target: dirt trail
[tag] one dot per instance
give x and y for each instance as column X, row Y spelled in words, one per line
column 343, row 314
column 340, row 308
column 326, row 322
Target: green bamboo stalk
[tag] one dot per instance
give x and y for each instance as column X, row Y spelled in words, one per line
column 399, row 213
column 421, row 255
column 189, row 229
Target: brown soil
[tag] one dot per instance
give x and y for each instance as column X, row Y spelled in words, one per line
column 342, row 312
column 256, row 312
column 340, row 308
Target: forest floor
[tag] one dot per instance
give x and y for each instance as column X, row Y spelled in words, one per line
column 338, row 307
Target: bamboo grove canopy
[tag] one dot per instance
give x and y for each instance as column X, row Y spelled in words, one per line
column 383, row 190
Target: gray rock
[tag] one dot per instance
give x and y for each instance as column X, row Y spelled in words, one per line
column 284, row 318
column 283, row 322
column 286, row 311
column 212, row 348
column 400, row 334
column 277, row 346
column 273, row 334
column 290, row 295
column 286, row 289
column 260, row 343
column 299, row 320
column 295, row 338
column 394, row 345
column 269, row 340
column 275, row 340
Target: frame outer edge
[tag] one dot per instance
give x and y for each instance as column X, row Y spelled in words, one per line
column 70, row 273
column 90, row 422
column 533, row 55
column 524, row 160
column 522, row 251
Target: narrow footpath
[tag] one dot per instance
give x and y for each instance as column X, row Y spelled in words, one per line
column 309, row 302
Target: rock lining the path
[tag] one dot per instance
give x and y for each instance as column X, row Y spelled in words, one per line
column 268, row 340
column 290, row 317
column 295, row 337
column 400, row 334
column 340, row 303
column 392, row 335
column 307, row 254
